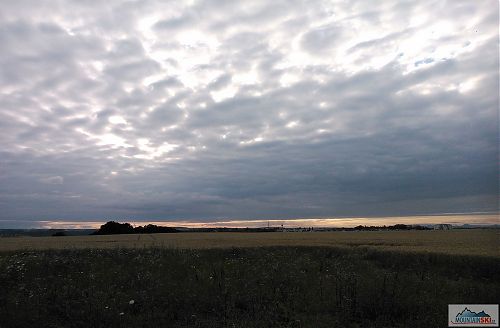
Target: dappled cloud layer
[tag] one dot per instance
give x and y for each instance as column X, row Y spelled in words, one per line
column 220, row 109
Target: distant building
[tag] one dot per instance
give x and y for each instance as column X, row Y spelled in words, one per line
column 442, row 227
column 296, row 229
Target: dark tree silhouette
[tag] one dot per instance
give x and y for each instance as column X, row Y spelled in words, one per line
column 151, row 228
column 112, row 228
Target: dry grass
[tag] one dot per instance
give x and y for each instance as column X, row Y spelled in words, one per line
column 459, row 242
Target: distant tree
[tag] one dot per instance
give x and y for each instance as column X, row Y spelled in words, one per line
column 400, row 227
column 419, row 227
column 59, row 234
column 151, row 228
column 112, row 228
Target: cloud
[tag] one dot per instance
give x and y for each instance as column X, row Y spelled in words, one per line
column 56, row 180
column 322, row 39
column 216, row 109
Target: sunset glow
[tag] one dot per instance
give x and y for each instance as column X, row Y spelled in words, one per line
column 458, row 219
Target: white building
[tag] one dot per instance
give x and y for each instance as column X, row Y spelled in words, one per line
column 442, row 226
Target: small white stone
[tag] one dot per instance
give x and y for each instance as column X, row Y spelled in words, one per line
column 131, row 302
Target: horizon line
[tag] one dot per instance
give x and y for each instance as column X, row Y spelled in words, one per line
column 485, row 218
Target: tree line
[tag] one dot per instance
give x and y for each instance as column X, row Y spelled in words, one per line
column 114, row 228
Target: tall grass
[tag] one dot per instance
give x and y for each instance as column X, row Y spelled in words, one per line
column 239, row 287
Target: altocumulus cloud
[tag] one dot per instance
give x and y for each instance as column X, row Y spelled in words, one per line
column 224, row 109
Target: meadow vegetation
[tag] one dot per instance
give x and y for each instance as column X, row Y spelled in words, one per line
column 327, row 279
column 239, row 287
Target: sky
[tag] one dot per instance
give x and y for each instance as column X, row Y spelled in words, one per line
column 215, row 110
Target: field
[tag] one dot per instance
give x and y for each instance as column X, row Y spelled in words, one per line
column 460, row 242
column 339, row 279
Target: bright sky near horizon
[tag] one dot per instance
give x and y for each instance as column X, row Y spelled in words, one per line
column 479, row 219
column 208, row 110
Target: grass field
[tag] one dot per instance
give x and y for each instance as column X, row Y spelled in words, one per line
column 340, row 279
column 461, row 242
